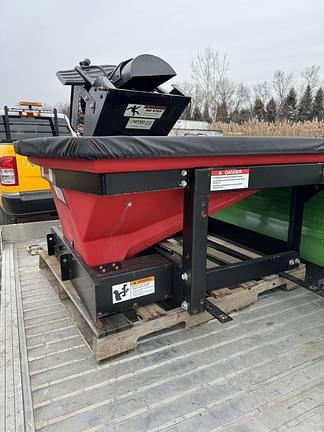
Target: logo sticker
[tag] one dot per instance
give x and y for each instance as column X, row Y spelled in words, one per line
column 139, row 123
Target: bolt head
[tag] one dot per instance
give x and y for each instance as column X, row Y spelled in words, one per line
column 185, row 305
column 183, row 183
column 184, row 276
column 184, row 173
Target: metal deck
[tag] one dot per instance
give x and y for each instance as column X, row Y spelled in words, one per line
column 263, row 371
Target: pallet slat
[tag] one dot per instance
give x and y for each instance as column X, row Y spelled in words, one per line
column 230, row 300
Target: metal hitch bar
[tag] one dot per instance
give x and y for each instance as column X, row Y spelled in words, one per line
column 216, row 312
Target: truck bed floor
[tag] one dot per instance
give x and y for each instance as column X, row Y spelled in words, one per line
column 263, row 371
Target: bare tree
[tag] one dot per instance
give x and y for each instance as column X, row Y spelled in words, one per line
column 262, row 91
column 188, row 87
column 209, row 71
column 311, row 76
column 204, row 71
column 281, row 83
column 225, row 91
column 198, row 98
column 242, row 97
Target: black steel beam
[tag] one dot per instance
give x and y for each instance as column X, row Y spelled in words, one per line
column 255, row 241
column 120, row 183
column 272, row 176
column 296, row 213
column 260, row 177
column 195, row 240
column 233, row 274
column 285, row 175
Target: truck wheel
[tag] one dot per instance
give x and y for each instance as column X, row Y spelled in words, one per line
column 6, row 219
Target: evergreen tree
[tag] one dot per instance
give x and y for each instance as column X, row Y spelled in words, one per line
column 235, row 116
column 305, row 106
column 245, row 115
column 258, row 109
column 289, row 110
column 271, row 111
column 318, row 105
column 196, row 114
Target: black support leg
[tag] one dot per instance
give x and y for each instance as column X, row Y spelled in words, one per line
column 299, row 196
column 195, row 241
column 296, row 212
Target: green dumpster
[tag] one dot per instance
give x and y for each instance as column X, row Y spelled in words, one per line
column 267, row 213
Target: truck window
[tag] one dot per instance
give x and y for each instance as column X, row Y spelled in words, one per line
column 32, row 127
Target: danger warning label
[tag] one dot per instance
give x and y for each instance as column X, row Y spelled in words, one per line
column 229, row 178
column 133, row 289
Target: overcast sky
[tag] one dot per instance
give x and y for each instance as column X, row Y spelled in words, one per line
column 39, row 37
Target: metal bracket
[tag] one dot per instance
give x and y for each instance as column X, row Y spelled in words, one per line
column 216, row 312
column 7, row 124
column 56, row 125
column 315, row 289
column 50, row 244
column 85, row 95
column 66, row 269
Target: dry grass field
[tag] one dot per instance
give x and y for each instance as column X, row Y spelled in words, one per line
column 283, row 128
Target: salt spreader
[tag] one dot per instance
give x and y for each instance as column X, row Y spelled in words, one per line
column 123, row 189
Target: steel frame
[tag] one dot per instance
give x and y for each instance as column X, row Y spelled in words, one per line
column 95, row 284
column 190, row 279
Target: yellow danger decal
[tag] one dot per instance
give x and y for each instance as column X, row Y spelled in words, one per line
column 133, row 289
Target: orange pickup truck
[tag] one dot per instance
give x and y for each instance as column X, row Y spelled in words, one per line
column 23, row 191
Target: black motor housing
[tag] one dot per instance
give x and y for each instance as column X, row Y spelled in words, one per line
column 124, row 99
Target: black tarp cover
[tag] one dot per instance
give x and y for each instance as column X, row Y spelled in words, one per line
column 127, row 147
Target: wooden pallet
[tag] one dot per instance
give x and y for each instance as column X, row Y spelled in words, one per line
column 234, row 299
column 106, row 340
